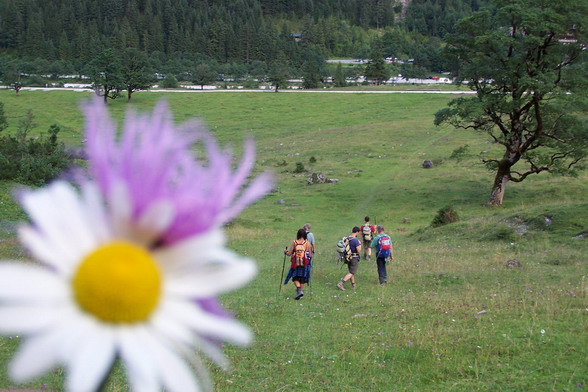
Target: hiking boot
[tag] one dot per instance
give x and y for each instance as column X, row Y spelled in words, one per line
column 353, row 286
column 299, row 293
column 340, row 286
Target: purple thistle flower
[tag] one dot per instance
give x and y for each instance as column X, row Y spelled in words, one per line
column 152, row 159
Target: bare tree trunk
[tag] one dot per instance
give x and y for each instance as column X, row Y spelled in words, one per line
column 500, row 181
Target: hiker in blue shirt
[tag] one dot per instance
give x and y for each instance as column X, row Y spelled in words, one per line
column 384, row 252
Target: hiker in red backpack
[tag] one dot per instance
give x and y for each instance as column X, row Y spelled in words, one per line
column 384, row 253
column 299, row 250
column 367, row 234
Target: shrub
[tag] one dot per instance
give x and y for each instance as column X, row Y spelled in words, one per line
column 33, row 161
column 170, row 81
column 251, row 83
column 312, row 160
column 299, row 167
column 459, row 153
column 444, row 216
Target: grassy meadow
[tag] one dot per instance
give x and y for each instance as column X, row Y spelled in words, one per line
column 453, row 317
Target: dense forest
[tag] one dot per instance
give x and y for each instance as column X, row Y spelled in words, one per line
column 63, row 36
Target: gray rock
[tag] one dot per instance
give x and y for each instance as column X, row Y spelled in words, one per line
column 281, row 201
column 319, row 178
column 513, row 263
column 427, row 164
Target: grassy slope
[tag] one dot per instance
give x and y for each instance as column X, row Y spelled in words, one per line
column 423, row 331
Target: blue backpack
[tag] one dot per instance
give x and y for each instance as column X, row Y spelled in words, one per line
column 384, row 246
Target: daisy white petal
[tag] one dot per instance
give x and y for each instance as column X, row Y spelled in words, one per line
column 142, row 371
column 95, row 211
column 209, row 325
column 35, row 356
column 40, row 205
column 213, row 351
column 213, row 279
column 91, row 361
column 42, row 248
column 29, row 319
column 164, row 322
column 73, row 223
column 25, row 283
column 191, row 252
column 174, row 374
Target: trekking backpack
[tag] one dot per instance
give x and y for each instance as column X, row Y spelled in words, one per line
column 300, row 253
column 344, row 250
column 366, row 231
column 384, row 246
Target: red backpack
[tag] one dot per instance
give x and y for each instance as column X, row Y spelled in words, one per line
column 384, row 246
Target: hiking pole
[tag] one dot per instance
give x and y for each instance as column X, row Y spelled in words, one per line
column 283, row 267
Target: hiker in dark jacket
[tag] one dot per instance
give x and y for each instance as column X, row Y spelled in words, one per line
column 353, row 264
column 300, row 251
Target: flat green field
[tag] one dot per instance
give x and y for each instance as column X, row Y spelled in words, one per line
column 453, row 318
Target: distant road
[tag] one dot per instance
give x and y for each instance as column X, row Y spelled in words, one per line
column 235, row 90
column 346, row 61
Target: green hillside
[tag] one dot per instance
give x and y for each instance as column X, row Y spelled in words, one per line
column 454, row 317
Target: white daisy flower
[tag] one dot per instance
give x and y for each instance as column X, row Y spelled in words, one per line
column 132, row 263
column 102, row 296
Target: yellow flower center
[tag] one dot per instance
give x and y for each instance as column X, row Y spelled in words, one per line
column 118, row 283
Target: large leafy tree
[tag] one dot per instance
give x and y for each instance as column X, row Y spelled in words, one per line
column 135, row 71
column 106, row 73
column 10, row 73
column 204, row 74
column 279, row 74
column 525, row 60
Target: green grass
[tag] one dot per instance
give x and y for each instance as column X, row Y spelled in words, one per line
column 454, row 317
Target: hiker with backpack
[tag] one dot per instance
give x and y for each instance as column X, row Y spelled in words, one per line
column 351, row 258
column 309, row 238
column 300, row 251
column 384, row 253
column 367, row 234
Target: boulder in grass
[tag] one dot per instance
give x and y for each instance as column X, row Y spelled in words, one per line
column 513, row 263
column 427, row 164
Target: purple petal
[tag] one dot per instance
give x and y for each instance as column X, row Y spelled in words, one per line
column 153, row 159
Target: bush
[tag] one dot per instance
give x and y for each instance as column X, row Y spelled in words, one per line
column 33, row 161
column 459, row 153
column 444, row 216
column 251, row 83
column 299, row 167
column 170, row 81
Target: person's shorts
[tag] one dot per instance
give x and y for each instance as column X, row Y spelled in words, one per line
column 366, row 244
column 353, row 265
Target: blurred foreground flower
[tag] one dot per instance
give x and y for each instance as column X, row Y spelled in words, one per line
column 132, row 259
